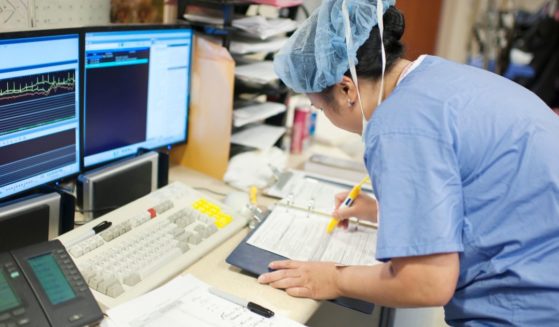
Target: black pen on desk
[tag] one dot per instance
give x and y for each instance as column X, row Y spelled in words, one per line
column 258, row 309
column 90, row 233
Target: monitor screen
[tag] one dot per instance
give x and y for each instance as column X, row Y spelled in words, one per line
column 136, row 91
column 39, row 110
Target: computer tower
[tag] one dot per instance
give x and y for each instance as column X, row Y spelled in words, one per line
column 104, row 189
column 35, row 218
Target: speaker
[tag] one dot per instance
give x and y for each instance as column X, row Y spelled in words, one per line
column 31, row 219
column 163, row 168
column 107, row 188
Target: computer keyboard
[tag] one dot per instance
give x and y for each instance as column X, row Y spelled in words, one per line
column 150, row 241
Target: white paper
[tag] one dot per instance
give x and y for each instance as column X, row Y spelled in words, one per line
column 306, row 190
column 264, row 28
column 261, row 72
column 186, row 301
column 256, row 112
column 245, row 46
column 261, row 137
column 204, row 19
column 301, row 235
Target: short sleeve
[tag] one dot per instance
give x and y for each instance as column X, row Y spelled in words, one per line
column 418, row 187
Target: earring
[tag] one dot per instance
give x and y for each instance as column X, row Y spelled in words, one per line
column 349, row 103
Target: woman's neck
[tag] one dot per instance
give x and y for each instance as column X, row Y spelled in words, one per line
column 390, row 82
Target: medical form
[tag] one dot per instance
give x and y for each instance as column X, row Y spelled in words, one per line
column 301, row 235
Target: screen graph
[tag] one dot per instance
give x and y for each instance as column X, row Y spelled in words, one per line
column 35, row 100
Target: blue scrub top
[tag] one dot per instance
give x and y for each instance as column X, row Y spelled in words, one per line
column 463, row 160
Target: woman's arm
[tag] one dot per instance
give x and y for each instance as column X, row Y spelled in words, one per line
column 403, row 282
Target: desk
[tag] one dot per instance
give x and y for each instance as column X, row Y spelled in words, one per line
column 213, row 269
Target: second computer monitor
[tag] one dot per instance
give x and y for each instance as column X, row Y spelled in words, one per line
column 136, row 91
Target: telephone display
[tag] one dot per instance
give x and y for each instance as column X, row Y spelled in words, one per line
column 41, row 286
column 8, row 299
column 51, row 278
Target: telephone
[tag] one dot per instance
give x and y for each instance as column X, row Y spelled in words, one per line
column 41, row 286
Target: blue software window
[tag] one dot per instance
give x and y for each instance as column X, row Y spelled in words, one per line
column 136, row 89
column 39, row 110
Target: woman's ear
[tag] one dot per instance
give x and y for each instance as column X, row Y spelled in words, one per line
column 347, row 87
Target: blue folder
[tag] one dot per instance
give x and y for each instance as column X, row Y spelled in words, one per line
column 255, row 260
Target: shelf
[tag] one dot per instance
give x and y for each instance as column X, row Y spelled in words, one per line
column 255, row 112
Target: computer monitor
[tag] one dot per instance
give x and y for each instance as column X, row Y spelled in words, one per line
column 39, row 109
column 136, row 90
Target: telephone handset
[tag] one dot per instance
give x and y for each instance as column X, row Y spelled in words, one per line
column 41, row 286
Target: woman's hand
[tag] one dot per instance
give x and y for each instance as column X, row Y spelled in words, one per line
column 315, row 280
column 364, row 207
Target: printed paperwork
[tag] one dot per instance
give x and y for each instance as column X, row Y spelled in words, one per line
column 296, row 228
column 259, row 72
column 243, row 46
column 258, row 136
column 264, row 28
column 255, row 112
column 280, row 3
column 301, row 235
column 186, row 301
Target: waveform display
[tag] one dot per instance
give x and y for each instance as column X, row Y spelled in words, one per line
column 34, row 100
column 33, row 86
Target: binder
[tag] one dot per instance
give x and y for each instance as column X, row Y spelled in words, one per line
column 255, row 260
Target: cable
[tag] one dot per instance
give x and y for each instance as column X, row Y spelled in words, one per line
column 98, row 209
column 208, row 190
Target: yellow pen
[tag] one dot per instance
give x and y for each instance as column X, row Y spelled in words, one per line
column 353, row 194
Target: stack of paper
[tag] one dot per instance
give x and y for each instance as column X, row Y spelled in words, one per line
column 256, row 112
column 260, row 72
column 280, row 3
column 243, row 46
column 264, row 28
column 207, row 19
column 261, row 137
column 186, row 301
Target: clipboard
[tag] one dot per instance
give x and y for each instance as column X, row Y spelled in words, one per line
column 255, row 261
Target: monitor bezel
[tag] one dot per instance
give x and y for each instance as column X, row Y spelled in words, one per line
column 124, row 28
column 52, row 33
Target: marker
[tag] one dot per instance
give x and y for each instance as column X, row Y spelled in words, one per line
column 95, row 230
column 353, row 194
column 258, row 309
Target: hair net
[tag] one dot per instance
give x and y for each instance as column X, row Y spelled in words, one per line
column 315, row 56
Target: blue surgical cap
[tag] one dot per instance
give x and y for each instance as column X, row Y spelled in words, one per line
column 315, row 56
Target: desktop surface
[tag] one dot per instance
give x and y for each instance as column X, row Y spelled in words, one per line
column 136, row 91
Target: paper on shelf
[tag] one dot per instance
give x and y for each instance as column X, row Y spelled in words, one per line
column 259, row 72
column 264, row 28
column 256, row 112
column 243, row 46
column 208, row 19
column 186, row 301
column 258, row 136
column 280, row 3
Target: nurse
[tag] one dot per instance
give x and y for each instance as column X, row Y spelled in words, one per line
column 465, row 168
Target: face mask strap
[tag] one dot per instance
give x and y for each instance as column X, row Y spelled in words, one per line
column 380, row 11
column 349, row 46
